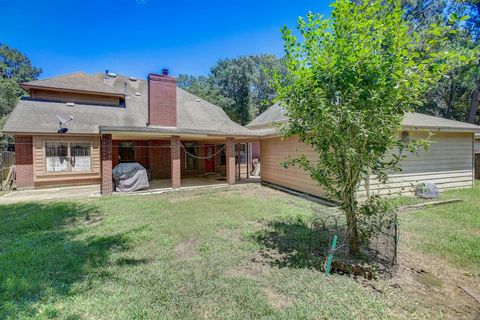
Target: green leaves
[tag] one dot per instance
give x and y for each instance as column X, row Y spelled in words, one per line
column 350, row 80
column 241, row 86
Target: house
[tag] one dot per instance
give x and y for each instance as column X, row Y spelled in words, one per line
column 73, row 129
column 448, row 163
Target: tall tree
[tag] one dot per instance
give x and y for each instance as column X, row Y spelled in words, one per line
column 205, row 88
column 350, row 80
column 242, row 86
column 457, row 94
column 15, row 68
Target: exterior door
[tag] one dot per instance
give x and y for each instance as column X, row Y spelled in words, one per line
column 210, row 160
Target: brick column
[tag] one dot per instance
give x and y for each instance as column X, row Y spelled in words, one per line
column 230, row 154
column 106, row 159
column 24, row 162
column 175, row 159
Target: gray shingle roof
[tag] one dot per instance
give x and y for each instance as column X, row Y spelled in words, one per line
column 78, row 81
column 412, row 120
column 194, row 115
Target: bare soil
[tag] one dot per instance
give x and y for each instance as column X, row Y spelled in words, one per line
column 433, row 286
column 186, row 249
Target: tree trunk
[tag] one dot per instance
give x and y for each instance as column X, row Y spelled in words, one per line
column 351, row 215
column 472, row 114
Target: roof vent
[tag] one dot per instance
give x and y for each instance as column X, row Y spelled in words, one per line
column 165, row 72
column 70, row 104
column 112, row 75
column 138, row 94
column 132, row 78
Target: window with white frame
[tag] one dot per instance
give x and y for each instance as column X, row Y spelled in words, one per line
column 68, row 156
column 80, row 156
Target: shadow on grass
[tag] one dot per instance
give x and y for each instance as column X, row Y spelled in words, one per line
column 288, row 244
column 41, row 255
column 298, row 244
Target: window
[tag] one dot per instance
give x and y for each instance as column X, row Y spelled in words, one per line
column 190, row 156
column 126, row 152
column 80, row 155
column 68, row 156
column 56, row 156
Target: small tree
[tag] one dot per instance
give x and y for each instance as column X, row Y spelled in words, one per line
column 349, row 82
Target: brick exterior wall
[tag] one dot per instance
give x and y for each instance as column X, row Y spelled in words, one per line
column 106, row 164
column 175, row 156
column 162, row 100
column 159, row 159
column 230, row 154
column 24, row 162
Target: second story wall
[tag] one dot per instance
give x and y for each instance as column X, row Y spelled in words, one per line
column 78, row 97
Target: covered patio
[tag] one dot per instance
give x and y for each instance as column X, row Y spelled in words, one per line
column 183, row 160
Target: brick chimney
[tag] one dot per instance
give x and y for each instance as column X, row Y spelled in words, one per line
column 162, row 100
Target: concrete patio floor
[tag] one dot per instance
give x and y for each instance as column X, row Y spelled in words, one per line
column 79, row 192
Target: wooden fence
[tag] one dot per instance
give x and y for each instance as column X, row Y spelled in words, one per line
column 7, row 169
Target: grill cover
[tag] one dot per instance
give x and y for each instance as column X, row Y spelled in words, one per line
column 130, row 176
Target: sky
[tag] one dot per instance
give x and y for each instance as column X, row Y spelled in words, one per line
column 136, row 37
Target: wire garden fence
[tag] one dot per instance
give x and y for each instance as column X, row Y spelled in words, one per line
column 298, row 244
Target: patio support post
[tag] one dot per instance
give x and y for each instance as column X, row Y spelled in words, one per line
column 239, row 162
column 175, row 158
column 247, row 152
column 106, row 151
column 230, row 155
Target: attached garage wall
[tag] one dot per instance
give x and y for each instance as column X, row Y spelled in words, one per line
column 42, row 178
column 273, row 151
column 448, row 163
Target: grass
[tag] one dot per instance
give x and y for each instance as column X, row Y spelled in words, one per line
column 191, row 257
column 449, row 231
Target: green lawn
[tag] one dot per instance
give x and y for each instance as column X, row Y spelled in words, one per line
column 194, row 257
column 450, row 231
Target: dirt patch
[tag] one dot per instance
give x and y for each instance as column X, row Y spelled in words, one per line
column 186, row 249
column 278, row 300
column 252, row 270
column 88, row 221
column 433, row 286
column 206, row 310
column 230, row 234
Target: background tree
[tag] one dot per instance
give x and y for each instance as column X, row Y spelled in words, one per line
column 205, row 88
column 242, row 86
column 15, row 68
column 456, row 95
column 350, row 79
